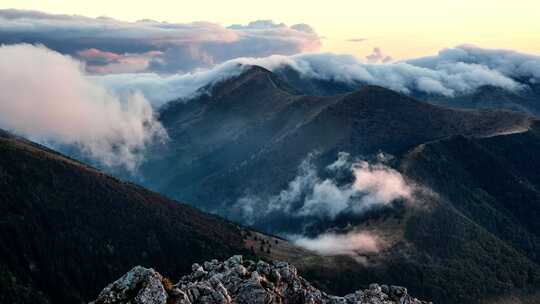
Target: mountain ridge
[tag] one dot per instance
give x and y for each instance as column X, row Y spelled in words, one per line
column 255, row 117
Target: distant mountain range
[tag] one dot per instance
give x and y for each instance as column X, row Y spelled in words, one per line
column 485, row 97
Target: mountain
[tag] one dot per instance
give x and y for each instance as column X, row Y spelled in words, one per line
column 492, row 182
column 467, row 234
column 250, row 136
column 66, row 229
column 472, row 236
column 485, row 97
column 238, row 281
column 220, row 141
column 488, row 97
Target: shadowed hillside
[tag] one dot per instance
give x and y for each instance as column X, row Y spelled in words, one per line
column 220, row 142
column 66, row 230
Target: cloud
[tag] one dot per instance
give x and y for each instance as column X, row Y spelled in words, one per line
column 381, row 183
column 357, row 40
column 309, row 195
column 350, row 186
column 101, row 62
column 47, row 97
column 378, row 56
column 456, row 71
column 506, row 62
column 446, row 74
column 149, row 45
column 159, row 89
column 352, row 243
column 373, row 185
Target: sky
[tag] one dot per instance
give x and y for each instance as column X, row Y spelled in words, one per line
column 401, row 29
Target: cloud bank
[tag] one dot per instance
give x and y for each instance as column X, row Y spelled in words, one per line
column 452, row 72
column 159, row 89
column 112, row 46
column 455, row 71
column 47, row 97
column 175, row 60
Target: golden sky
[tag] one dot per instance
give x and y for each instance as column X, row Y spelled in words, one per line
column 401, row 28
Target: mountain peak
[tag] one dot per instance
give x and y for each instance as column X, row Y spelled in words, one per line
column 253, row 77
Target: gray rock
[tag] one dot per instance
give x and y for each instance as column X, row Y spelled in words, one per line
column 239, row 281
column 138, row 286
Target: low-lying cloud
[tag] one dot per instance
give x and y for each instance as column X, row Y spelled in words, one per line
column 47, row 97
column 352, row 243
column 453, row 72
column 113, row 46
column 309, row 195
column 160, row 89
column 351, row 186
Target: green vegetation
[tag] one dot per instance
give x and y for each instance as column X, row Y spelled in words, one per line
column 67, row 230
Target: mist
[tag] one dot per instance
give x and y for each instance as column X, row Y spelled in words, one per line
column 47, row 97
column 309, row 195
column 453, row 72
column 352, row 243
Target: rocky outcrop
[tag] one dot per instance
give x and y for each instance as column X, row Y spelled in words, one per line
column 139, row 285
column 238, row 281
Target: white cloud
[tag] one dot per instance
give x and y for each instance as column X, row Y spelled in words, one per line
column 373, row 185
column 351, row 187
column 309, row 195
column 446, row 74
column 351, row 243
column 381, row 183
column 452, row 72
column 47, row 97
column 506, row 62
column 159, row 89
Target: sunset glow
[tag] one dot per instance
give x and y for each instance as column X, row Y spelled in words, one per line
column 402, row 29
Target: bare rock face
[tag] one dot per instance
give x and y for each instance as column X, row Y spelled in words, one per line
column 238, row 281
column 139, row 285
